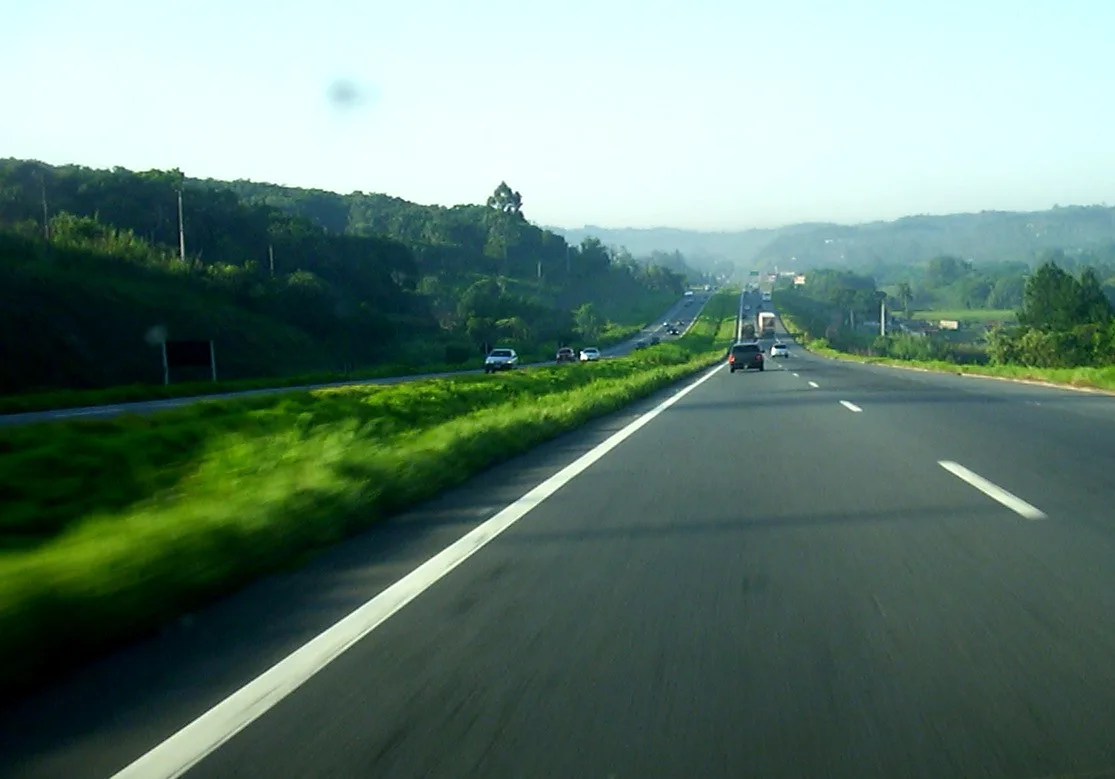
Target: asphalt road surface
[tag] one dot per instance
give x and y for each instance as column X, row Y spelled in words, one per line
column 821, row 570
column 685, row 308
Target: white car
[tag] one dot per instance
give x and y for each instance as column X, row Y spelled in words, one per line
column 779, row 350
column 591, row 354
column 500, row 360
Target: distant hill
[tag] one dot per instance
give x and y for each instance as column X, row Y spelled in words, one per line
column 989, row 236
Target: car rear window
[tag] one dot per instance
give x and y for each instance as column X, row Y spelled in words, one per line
column 745, row 348
column 501, row 353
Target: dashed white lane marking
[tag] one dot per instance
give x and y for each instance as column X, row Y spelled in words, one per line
column 796, row 376
column 993, row 491
column 850, row 406
column 814, row 384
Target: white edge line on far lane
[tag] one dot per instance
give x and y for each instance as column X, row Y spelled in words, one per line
column 186, row 748
column 994, row 491
column 850, row 406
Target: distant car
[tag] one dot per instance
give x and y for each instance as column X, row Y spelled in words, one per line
column 779, row 350
column 640, row 344
column 674, row 331
column 655, row 340
column 688, row 293
column 565, row 354
column 744, row 355
column 746, row 306
column 590, row 354
column 500, row 360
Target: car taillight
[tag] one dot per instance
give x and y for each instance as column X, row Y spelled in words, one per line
column 731, row 358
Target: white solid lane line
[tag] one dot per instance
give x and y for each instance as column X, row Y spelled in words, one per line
column 994, row 491
column 850, row 406
column 175, row 756
column 814, row 384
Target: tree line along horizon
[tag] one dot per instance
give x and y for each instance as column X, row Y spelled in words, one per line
column 290, row 280
column 1062, row 309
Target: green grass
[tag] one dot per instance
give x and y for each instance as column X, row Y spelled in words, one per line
column 113, row 527
column 967, row 315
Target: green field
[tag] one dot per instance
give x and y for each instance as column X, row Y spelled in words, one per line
column 967, row 315
column 112, row 527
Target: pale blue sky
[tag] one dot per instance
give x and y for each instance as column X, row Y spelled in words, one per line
column 709, row 114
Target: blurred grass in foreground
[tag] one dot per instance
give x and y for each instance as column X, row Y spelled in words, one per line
column 113, row 527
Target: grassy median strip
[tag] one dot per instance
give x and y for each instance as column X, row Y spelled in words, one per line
column 113, row 527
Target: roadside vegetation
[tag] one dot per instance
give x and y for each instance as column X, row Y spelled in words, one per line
column 1063, row 331
column 288, row 283
column 114, row 527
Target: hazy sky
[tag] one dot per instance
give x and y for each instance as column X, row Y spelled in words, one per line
column 713, row 114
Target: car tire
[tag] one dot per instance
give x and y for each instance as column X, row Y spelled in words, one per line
column 762, row 367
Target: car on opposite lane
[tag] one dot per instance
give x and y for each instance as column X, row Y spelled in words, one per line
column 590, row 354
column 500, row 360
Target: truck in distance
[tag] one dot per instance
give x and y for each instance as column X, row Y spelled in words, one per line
column 764, row 324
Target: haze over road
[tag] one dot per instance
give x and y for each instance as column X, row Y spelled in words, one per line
column 821, row 570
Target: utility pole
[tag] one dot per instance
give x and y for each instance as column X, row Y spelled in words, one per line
column 181, row 230
column 540, row 270
column 852, row 316
column 883, row 317
column 271, row 259
column 567, row 265
column 46, row 215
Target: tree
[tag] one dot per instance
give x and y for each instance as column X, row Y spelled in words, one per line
column 506, row 200
column 587, row 322
column 1051, row 300
column 1007, row 292
column 905, row 296
column 1093, row 307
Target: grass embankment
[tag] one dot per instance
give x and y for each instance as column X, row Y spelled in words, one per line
column 1089, row 378
column 113, row 527
column 613, row 333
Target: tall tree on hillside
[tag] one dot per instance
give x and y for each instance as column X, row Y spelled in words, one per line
column 587, row 321
column 1093, row 305
column 506, row 200
column 1052, row 300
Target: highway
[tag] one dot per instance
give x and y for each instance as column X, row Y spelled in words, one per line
column 822, row 570
column 685, row 308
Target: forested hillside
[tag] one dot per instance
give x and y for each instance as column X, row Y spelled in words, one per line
column 285, row 280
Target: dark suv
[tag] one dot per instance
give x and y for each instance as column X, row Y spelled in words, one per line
column 744, row 355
